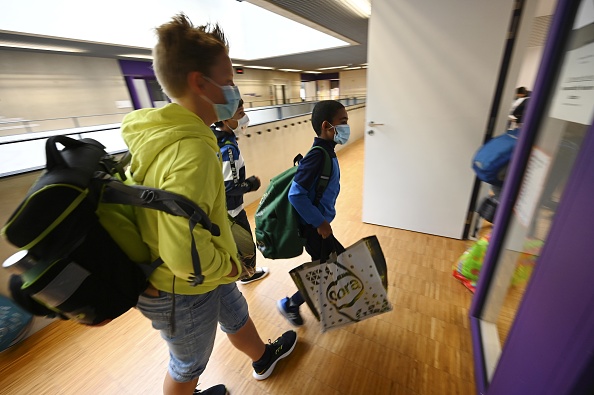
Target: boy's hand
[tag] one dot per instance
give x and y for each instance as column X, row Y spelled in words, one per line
column 233, row 271
column 254, row 183
column 325, row 230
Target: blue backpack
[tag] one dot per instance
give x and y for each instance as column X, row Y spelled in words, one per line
column 492, row 158
column 14, row 323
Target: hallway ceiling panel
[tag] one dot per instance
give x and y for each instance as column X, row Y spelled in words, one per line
column 330, row 16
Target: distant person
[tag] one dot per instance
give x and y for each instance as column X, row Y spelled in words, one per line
column 236, row 185
column 516, row 120
column 516, row 112
column 329, row 119
column 174, row 149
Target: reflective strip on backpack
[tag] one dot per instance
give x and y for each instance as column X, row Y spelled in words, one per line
column 60, row 218
column 63, row 285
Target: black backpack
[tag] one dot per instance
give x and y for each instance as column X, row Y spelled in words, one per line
column 81, row 255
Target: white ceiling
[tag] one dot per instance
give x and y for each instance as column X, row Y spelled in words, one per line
column 261, row 32
column 330, row 33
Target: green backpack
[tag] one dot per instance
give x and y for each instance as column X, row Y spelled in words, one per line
column 277, row 222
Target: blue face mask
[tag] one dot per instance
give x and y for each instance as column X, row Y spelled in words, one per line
column 342, row 133
column 232, row 97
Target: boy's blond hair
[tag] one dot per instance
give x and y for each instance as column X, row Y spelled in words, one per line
column 183, row 48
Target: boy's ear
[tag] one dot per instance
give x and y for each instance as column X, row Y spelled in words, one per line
column 196, row 81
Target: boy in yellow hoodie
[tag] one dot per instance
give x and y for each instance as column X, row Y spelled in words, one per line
column 174, row 149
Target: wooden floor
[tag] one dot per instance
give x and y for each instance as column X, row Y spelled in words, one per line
column 423, row 346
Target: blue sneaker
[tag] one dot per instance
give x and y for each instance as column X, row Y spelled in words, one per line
column 281, row 348
column 291, row 313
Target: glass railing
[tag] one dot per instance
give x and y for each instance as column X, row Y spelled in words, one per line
column 22, row 142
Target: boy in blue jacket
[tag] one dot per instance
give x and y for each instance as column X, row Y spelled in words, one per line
column 329, row 119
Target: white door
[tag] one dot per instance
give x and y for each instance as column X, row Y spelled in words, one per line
column 433, row 68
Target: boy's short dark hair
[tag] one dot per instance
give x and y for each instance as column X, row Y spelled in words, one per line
column 324, row 111
column 522, row 91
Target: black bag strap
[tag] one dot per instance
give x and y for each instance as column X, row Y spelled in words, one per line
column 328, row 246
column 168, row 202
column 150, row 268
column 324, row 177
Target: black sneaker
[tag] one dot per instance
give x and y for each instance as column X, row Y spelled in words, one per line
column 291, row 313
column 260, row 273
column 218, row 389
column 282, row 347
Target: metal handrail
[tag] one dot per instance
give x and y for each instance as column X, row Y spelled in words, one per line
column 26, row 123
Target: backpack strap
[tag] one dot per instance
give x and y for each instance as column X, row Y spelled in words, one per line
column 150, row 268
column 157, row 199
column 324, row 177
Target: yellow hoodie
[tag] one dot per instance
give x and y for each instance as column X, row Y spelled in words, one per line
column 172, row 149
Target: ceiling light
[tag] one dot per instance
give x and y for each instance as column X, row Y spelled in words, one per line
column 360, row 7
column 259, row 67
column 331, row 68
column 313, row 72
column 236, row 65
column 137, row 56
column 353, row 68
column 16, row 44
column 292, row 70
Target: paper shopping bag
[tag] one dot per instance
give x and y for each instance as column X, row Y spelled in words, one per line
column 347, row 288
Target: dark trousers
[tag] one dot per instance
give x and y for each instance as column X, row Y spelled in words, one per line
column 319, row 249
column 248, row 258
column 242, row 220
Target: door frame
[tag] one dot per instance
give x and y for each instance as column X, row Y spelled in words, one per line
column 561, row 28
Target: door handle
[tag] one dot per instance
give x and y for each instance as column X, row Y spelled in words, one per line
column 372, row 124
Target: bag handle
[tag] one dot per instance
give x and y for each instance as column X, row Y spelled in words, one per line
column 328, row 247
column 82, row 155
column 54, row 155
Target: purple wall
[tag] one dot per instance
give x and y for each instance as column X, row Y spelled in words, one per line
column 136, row 68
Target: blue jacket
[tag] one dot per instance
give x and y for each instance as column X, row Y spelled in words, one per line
column 302, row 193
column 233, row 171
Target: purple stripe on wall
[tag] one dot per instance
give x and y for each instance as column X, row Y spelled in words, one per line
column 480, row 370
column 136, row 68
